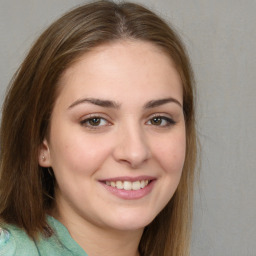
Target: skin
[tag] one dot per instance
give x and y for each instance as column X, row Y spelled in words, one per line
column 125, row 142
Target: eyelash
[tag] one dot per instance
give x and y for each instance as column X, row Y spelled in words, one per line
column 99, row 119
column 169, row 121
column 86, row 122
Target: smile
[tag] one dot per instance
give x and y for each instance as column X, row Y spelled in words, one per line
column 129, row 188
column 128, row 185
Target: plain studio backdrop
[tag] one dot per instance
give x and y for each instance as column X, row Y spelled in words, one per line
column 220, row 37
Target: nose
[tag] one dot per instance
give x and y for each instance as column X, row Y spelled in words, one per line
column 132, row 147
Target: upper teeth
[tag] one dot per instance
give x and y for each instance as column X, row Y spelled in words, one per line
column 128, row 185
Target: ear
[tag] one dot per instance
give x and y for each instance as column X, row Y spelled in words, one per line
column 44, row 157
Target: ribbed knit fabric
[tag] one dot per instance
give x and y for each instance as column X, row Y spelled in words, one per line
column 15, row 242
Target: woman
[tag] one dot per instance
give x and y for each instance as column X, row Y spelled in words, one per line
column 98, row 142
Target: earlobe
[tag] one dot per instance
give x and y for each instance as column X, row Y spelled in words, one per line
column 44, row 158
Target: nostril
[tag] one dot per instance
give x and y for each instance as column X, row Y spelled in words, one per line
column 132, row 146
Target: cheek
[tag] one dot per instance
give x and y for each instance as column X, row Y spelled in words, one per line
column 79, row 155
column 171, row 153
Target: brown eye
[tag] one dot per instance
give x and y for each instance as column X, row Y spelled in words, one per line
column 156, row 121
column 94, row 121
column 161, row 121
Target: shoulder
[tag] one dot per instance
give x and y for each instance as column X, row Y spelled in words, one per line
column 15, row 242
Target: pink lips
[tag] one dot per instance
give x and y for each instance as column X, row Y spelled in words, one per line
column 130, row 194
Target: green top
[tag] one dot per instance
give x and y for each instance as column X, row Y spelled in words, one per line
column 15, row 242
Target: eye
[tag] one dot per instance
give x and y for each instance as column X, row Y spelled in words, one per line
column 94, row 122
column 161, row 121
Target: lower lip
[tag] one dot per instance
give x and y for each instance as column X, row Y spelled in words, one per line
column 130, row 194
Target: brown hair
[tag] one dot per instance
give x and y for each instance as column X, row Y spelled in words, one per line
column 26, row 189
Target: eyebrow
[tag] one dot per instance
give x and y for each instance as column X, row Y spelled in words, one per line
column 113, row 104
column 157, row 103
column 98, row 102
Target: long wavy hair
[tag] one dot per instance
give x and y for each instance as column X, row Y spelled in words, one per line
column 26, row 189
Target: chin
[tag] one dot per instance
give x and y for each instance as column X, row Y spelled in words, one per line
column 132, row 221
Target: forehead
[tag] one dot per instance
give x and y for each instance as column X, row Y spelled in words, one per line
column 127, row 66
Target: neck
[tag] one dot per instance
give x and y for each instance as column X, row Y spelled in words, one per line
column 107, row 243
column 98, row 241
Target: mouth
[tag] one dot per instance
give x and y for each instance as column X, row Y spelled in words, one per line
column 130, row 188
column 128, row 185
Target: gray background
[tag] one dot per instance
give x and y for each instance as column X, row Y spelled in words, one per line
column 220, row 36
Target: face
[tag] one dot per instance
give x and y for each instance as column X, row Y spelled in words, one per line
column 117, row 136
